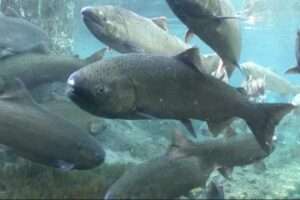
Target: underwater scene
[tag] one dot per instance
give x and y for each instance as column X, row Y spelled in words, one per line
column 139, row 99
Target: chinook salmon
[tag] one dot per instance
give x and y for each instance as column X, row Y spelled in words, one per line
column 214, row 22
column 160, row 178
column 36, row 69
column 237, row 150
column 43, row 137
column 140, row 86
column 19, row 36
column 128, row 32
column 185, row 167
column 273, row 81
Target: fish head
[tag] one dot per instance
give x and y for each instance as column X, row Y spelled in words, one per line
column 102, row 92
column 76, row 150
column 90, row 153
column 107, row 23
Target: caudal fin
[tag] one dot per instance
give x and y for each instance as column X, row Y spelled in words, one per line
column 294, row 70
column 263, row 126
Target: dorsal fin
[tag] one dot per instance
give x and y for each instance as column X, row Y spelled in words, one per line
column 15, row 91
column 191, row 57
column 98, row 55
column 161, row 22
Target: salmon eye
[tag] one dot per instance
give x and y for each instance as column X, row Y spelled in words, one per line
column 100, row 89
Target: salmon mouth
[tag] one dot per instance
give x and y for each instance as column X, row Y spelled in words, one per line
column 80, row 95
column 88, row 13
column 91, row 19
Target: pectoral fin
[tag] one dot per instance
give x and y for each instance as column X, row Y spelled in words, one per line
column 133, row 48
column 15, row 91
column 223, row 18
column 41, row 48
column 64, row 166
column 161, row 22
column 189, row 126
column 217, row 126
column 189, row 36
column 145, row 115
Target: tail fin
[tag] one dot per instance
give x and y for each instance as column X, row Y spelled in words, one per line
column 263, row 126
column 179, row 143
column 294, row 70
